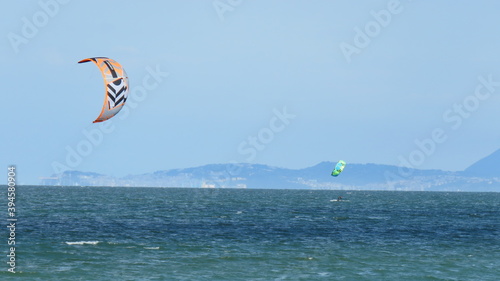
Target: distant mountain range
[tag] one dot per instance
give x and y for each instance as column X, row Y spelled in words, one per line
column 483, row 175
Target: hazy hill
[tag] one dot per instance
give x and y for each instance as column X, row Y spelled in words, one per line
column 244, row 175
column 486, row 167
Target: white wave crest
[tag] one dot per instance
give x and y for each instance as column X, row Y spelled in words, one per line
column 83, row 243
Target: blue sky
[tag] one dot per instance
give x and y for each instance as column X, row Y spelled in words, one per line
column 283, row 83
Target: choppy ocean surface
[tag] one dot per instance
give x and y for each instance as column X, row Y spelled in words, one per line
column 94, row 233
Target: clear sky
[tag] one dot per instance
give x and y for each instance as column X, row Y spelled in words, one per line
column 283, row 83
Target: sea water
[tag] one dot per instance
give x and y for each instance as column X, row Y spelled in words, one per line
column 120, row 233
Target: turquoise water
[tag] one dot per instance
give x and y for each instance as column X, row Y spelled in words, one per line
column 92, row 233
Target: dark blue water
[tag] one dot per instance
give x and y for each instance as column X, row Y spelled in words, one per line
column 79, row 233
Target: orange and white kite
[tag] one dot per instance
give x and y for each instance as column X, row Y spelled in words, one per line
column 116, row 86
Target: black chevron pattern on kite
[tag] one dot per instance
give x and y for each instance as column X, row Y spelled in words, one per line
column 116, row 93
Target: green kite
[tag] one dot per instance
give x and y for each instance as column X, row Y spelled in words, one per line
column 338, row 168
